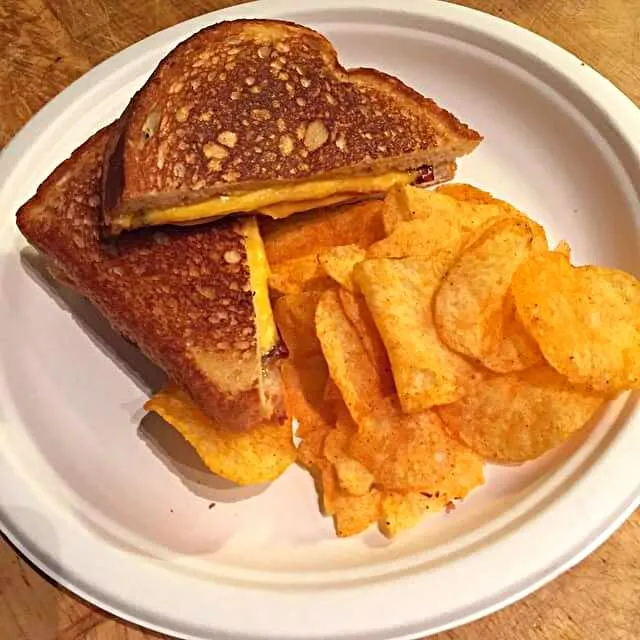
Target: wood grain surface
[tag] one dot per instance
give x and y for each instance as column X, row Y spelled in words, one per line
column 46, row 44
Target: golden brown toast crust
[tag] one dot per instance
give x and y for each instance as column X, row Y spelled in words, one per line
column 182, row 295
column 245, row 103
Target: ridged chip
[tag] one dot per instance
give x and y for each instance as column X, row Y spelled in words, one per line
column 304, row 383
column 399, row 295
column 519, row 416
column 416, row 453
column 297, row 275
column 400, row 511
column 356, row 310
column 294, row 315
column 586, row 320
column 349, row 364
column 474, row 313
column 338, row 262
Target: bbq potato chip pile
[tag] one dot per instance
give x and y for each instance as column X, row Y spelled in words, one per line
column 427, row 334
column 451, row 335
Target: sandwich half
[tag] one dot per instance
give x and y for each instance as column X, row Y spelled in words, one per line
column 259, row 116
column 194, row 299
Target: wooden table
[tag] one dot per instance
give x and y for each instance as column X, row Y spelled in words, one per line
column 46, row 44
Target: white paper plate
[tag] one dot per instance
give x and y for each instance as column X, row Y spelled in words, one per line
column 115, row 507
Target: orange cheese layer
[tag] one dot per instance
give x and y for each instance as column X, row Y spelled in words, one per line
column 304, row 193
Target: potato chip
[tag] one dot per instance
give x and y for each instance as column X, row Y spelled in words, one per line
column 434, row 462
column 466, row 193
column 295, row 318
column 297, row 275
column 356, row 310
column 395, row 208
column 400, row 511
column 415, row 453
column 334, row 445
column 439, row 239
column 255, row 456
column 338, row 262
column 310, row 451
column 563, row 248
column 517, row 350
column 519, row 416
column 399, row 295
column 436, row 226
column 344, row 421
column 349, row 363
column 309, row 233
column 586, row 320
column 354, row 514
column 344, row 489
column 326, row 481
column 332, row 393
column 353, row 477
column 430, row 205
column 472, row 311
column 471, row 236
column 376, row 437
column 304, row 383
column 458, row 205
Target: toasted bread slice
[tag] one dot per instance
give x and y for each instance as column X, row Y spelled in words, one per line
column 263, row 106
column 185, row 296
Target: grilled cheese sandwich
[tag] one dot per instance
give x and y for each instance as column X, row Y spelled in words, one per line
column 194, row 299
column 287, row 129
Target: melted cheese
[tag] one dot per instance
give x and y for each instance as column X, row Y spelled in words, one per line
column 259, row 277
column 285, row 209
column 262, row 199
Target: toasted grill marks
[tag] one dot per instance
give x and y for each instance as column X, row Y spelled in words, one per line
column 183, row 295
column 269, row 82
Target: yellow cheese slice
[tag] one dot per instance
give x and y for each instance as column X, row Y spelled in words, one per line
column 285, row 209
column 259, row 277
column 252, row 201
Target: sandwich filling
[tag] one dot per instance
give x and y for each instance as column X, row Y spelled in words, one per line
column 261, row 199
column 267, row 339
column 267, row 334
column 283, row 201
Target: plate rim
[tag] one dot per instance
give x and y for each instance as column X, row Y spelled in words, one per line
column 33, row 129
